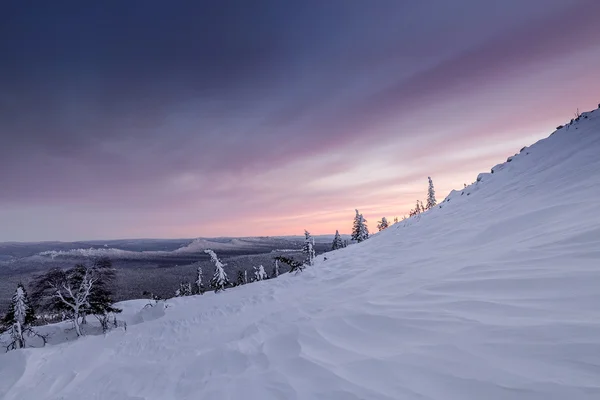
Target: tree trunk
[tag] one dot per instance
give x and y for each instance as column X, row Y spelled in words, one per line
column 76, row 323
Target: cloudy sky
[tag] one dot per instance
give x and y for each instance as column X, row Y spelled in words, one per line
column 228, row 118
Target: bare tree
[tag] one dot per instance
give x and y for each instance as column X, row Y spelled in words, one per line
column 78, row 291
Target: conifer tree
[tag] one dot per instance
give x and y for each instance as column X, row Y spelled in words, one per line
column 337, row 241
column 199, row 284
column 219, row 280
column 276, row 269
column 309, row 248
column 382, row 224
column 259, row 273
column 431, row 201
column 240, row 278
column 417, row 209
column 360, row 231
column 245, row 276
column 356, row 226
column 395, row 220
column 19, row 317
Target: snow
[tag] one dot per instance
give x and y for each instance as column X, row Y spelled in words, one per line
column 495, row 295
column 195, row 246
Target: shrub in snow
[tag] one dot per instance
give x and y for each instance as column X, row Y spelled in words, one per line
column 77, row 292
column 219, row 281
column 337, row 241
column 431, row 201
column 185, row 289
column 294, row 265
column 381, row 225
column 360, row 231
column 259, row 273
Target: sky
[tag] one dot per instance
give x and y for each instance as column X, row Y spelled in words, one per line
column 159, row 119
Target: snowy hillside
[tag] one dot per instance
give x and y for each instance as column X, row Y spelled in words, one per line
column 495, row 296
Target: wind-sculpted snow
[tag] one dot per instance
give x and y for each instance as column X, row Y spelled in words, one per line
column 494, row 296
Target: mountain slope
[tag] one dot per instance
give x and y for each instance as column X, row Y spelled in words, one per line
column 494, row 296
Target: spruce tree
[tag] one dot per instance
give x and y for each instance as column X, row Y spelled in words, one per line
column 431, row 201
column 199, row 284
column 356, row 227
column 360, row 231
column 219, row 280
column 309, row 248
column 276, row 269
column 382, row 224
column 240, row 278
column 19, row 317
column 337, row 241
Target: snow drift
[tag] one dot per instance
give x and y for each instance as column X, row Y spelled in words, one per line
column 495, row 295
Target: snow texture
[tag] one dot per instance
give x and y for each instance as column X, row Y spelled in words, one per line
column 493, row 296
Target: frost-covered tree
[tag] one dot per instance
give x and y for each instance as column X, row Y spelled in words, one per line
column 381, row 225
column 199, row 284
column 245, row 276
column 338, row 243
column 309, row 248
column 431, row 201
column 19, row 318
column 219, row 280
column 276, row 269
column 259, row 273
column 360, row 231
column 77, row 292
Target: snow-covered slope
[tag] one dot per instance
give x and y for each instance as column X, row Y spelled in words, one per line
column 494, row 296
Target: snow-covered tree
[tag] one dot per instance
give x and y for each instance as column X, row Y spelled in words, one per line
column 19, row 318
column 395, row 220
column 245, row 276
column 77, row 292
column 276, row 269
column 360, row 231
column 199, row 284
column 338, row 243
column 309, row 248
column 219, row 280
column 431, row 201
column 381, row 225
column 259, row 273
